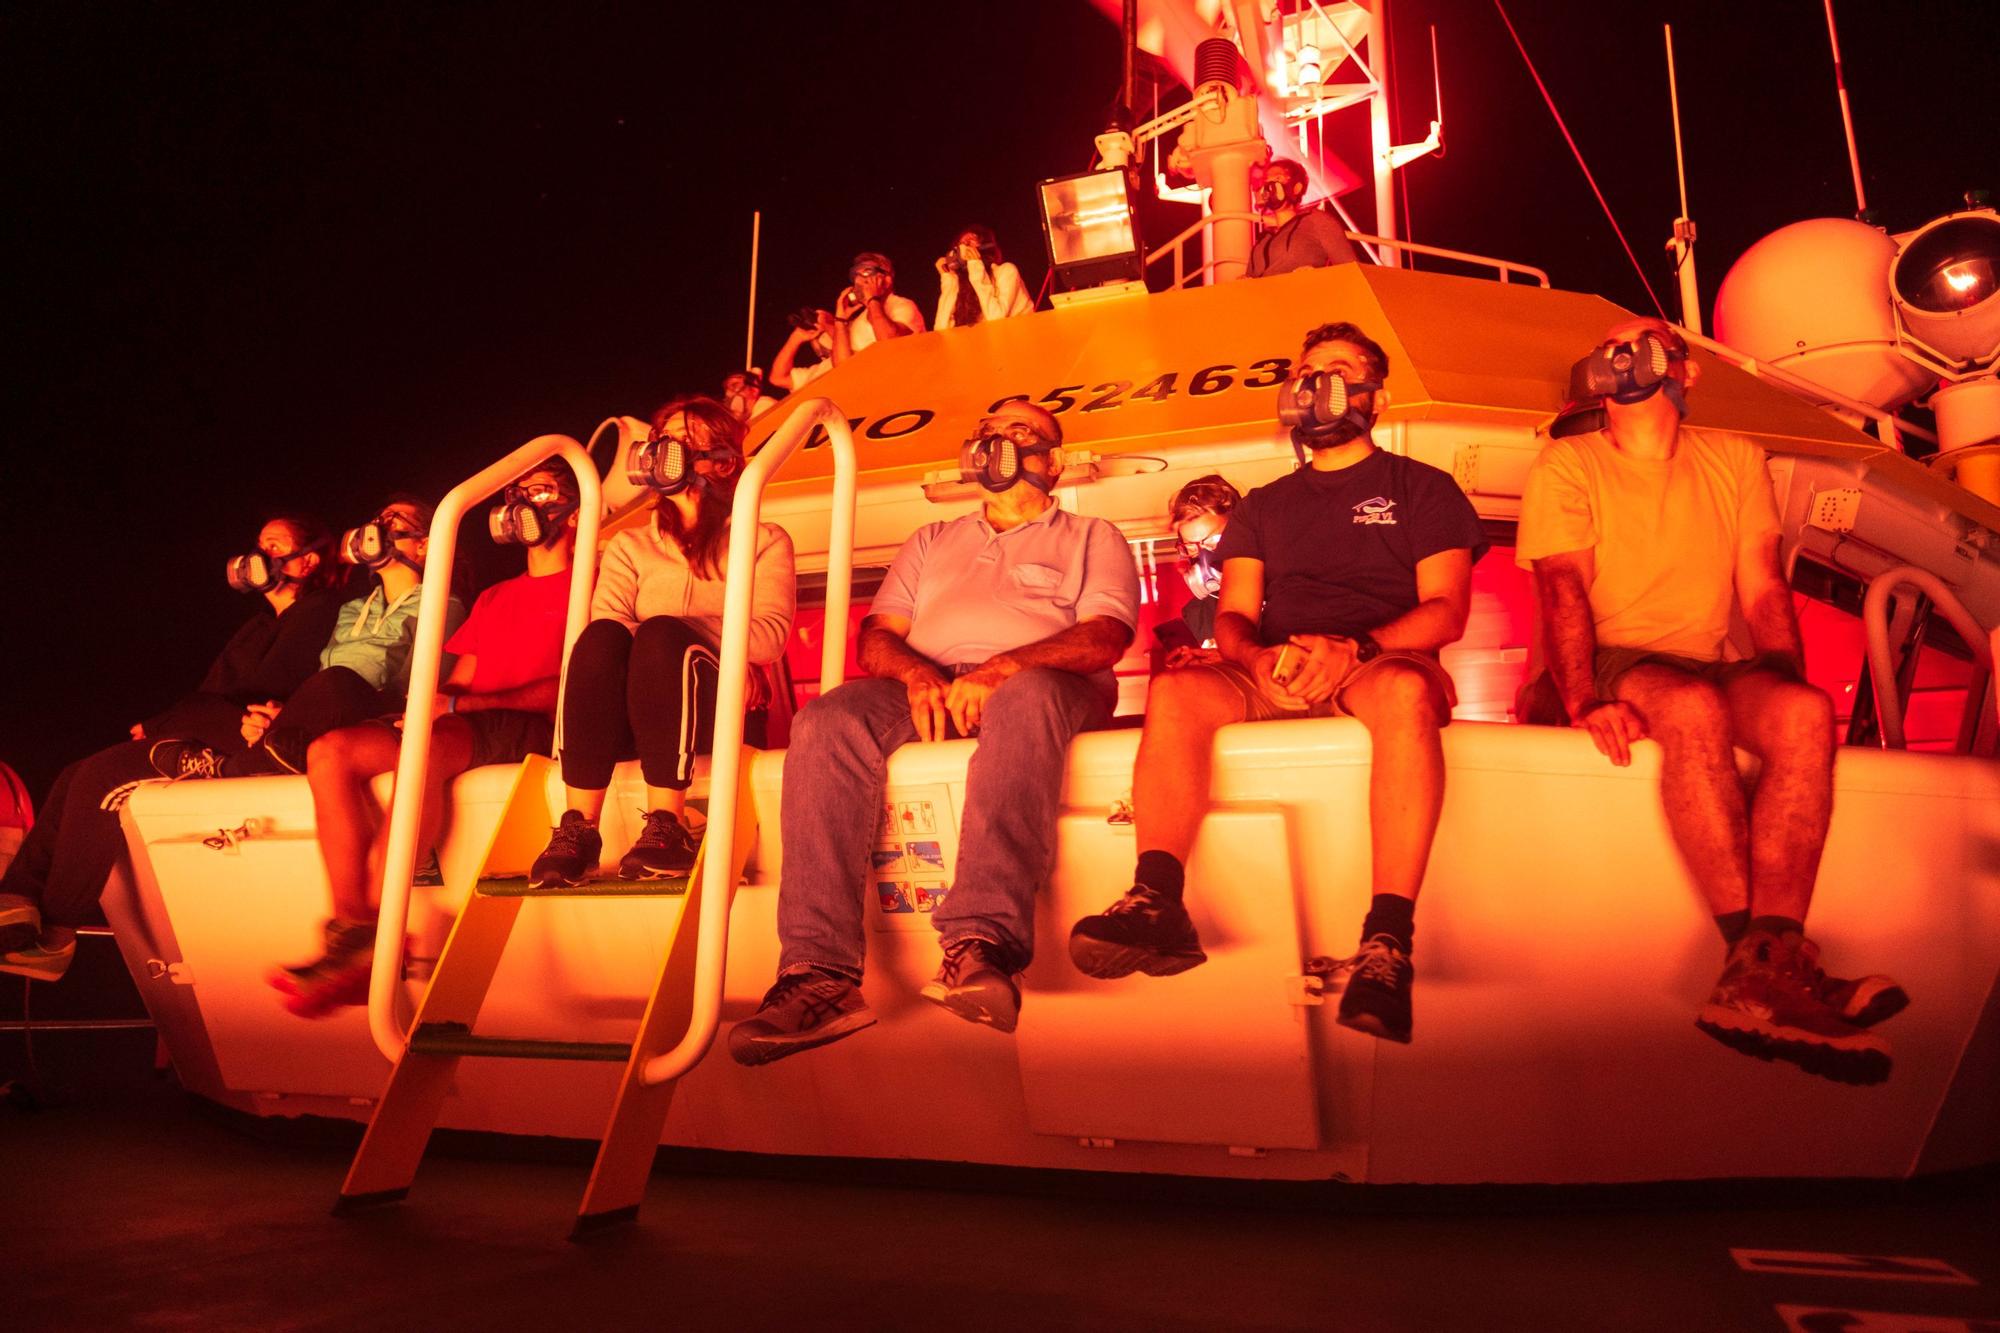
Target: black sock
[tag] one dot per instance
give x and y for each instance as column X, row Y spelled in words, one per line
column 1393, row 915
column 1778, row 925
column 1732, row 924
column 1161, row 872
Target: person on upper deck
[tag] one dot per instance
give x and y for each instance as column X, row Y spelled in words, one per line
column 643, row 674
column 1198, row 514
column 810, row 329
column 975, row 283
column 1296, row 237
column 364, row 667
column 54, row 881
column 743, row 394
column 1646, row 538
column 1340, row 583
column 497, row 707
column 869, row 311
column 1003, row 624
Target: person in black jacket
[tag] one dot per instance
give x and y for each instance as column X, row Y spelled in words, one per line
column 53, row 883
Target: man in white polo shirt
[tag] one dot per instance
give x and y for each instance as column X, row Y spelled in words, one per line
column 1004, row 625
column 869, row 311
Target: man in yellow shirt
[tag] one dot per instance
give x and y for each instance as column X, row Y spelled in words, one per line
column 1649, row 540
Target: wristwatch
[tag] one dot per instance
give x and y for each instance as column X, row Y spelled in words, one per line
column 1365, row 648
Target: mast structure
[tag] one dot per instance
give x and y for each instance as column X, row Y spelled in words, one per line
column 1682, row 242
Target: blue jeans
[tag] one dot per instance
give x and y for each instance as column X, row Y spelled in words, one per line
column 832, row 806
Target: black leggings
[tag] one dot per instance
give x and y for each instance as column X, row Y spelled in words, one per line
column 649, row 693
column 330, row 698
column 68, row 854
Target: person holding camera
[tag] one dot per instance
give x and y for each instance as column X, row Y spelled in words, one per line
column 974, row 283
column 869, row 311
column 811, row 328
column 1340, row 583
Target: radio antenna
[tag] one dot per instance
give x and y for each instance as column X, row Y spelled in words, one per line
column 1846, row 113
column 750, row 331
column 1682, row 243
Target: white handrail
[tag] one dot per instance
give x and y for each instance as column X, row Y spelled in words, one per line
column 389, row 1007
column 1881, row 654
column 1804, row 388
column 1503, row 266
column 718, row 876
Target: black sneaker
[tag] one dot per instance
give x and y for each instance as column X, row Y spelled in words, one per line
column 1145, row 931
column 1377, row 998
column 664, row 849
column 184, row 759
column 976, row 982
column 572, row 853
column 803, row 1010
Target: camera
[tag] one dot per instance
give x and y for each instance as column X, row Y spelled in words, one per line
column 805, row 318
column 953, row 261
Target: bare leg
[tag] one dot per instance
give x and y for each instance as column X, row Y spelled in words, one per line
column 1788, row 725
column 1176, row 753
column 1698, row 779
column 587, row 802
column 1404, row 711
column 339, row 766
column 666, row 798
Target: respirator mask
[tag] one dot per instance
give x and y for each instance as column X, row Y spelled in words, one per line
column 1630, row 372
column 261, row 572
column 1320, row 410
column 529, row 515
column 666, row 465
column 1278, row 191
column 1203, row 572
column 996, row 459
column 373, row 545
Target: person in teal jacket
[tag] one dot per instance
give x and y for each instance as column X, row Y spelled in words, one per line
column 364, row 668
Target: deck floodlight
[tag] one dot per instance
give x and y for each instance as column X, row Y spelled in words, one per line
column 1092, row 232
column 1946, row 284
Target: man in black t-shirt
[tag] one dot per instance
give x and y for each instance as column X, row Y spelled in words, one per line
column 1340, row 583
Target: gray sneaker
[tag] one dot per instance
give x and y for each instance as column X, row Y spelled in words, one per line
column 803, row 1010
column 977, row 984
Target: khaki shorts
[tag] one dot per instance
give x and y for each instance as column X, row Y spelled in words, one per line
column 1615, row 662
column 1257, row 708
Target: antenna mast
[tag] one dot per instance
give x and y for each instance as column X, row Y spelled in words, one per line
column 1846, row 113
column 750, row 329
column 1682, row 243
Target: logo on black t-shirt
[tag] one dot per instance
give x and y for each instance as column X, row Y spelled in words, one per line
column 1381, row 509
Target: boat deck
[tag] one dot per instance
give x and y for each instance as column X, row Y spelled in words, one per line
column 130, row 1204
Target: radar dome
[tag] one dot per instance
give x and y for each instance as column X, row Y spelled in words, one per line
column 1813, row 298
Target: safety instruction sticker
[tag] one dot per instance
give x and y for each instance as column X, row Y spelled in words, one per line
column 915, row 843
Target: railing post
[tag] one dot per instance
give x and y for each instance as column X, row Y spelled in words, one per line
column 719, row 842
column 1881, row 653
column 389, row 1006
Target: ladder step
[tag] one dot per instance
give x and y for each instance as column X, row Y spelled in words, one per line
column 517, row 886
column 457, row 1039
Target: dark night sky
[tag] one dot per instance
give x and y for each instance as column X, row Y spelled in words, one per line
column 300, row 254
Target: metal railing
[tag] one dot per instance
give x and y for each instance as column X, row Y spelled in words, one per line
column 389, row 1007
column 1888, row 426
column 725, row 768
column 1504, row 267
column 1889, row 701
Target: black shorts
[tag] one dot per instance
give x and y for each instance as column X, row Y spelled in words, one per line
column 507, row 735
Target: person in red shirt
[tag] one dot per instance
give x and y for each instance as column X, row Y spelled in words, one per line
column 496, row 707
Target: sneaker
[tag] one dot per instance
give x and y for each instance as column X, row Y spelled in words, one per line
column 803, row 1010
column 336, row 938
column 573, row 850
column 1377, row 998
column 340, row 978
column 1862, row 1001
column 184, row 759
column 664, row 849
column 977, row 984
column 37, row 963
column 1767, row 1004
column 20, row 927
column 1145, row 931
